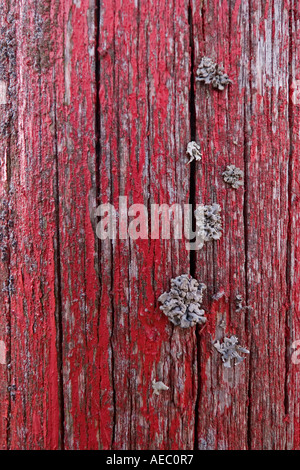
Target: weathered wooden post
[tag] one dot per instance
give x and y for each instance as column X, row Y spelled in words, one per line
column 99, row 100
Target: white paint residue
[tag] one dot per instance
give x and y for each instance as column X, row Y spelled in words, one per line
column 3, row 87
column 296, row 92
column 3, row 166
column 2, row 353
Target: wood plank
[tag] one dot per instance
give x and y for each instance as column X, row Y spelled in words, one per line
column 88, row 406
column 7, row 136
column 267, row 217
column 144, row 113
column 293, row 272
column 246, row 125
column 221, row 32
column 34, row 380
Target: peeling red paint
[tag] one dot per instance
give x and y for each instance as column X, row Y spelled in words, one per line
column 96, row 103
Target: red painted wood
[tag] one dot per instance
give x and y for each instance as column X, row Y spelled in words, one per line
column 101, row 103
column 267, row 208
column 144, row 114
column 221, row 31
column 249, row 126
column 293, row 273
column 34, row 400
column 86, row 406
column 7, row 140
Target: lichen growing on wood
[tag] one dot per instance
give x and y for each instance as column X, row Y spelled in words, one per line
column 230, row 351
column 218, row 295
column 158, row 387
column 233, row 176
column 193, row 150
column 238, row 303
column 208, row 223
column 182, row 304
column 209, row 72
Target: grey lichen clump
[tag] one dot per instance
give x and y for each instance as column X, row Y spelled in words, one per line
column 230, row 350
column 158, row 387
column 233, row 176
column 182, row 304
column 238, row 303
column 193, row 150
column 208, row 223
column 209, row 72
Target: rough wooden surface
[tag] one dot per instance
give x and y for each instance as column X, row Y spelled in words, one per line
column 144, row 129
column 221, row 31
column 98, row 100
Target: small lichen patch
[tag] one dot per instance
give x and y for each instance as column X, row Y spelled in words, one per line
column 182, row 304
column 230, row 351
column 158, row 387
column 209, row 72
column 238, row 303
column 193, row 150
column 233, row 176
column 218, row 295
column 208, row 223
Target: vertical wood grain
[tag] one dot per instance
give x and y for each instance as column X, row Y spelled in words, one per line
column 87, row 405
column 144, row 114
column 267, row 216
column 34, row 422
column 221, row 32
column 293, row 274
column 8, row 139
column 247, row 125
column 98, row 100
